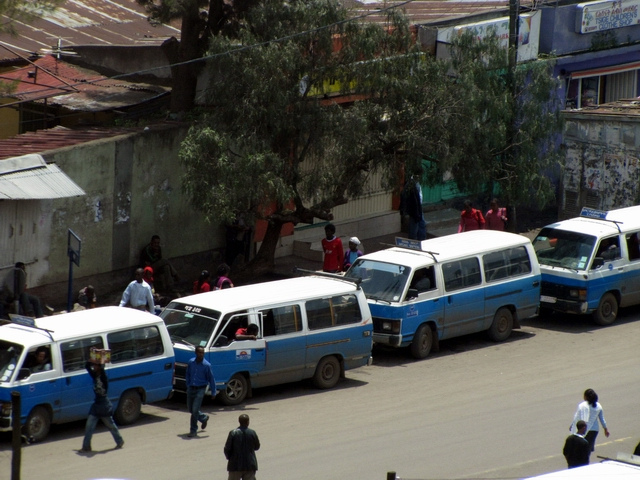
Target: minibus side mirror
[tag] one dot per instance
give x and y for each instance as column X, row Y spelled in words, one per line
column 221, row 341
column 23, row 373
column 412, row 293
column 597, row 262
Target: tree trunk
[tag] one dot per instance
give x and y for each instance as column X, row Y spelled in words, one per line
column 264, row 261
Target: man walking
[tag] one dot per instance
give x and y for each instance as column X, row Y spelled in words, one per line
column 576, row 448
column 101, row 408
column 240, row 451
column 198, row 376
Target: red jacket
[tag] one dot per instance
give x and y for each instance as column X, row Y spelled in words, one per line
column 333, row 254
column 472, row 220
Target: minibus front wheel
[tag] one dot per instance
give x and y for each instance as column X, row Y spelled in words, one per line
column 38, row 424
column 607, row 310
column 422, row 342
column 235, row 391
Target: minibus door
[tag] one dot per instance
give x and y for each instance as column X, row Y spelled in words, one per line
column 609, row 272
column 464, row 297
column 229, row 356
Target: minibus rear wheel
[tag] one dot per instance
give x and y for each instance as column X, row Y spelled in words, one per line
column 502, row 325
column 327, row 373
column 38, row 424
column 607, row 310
column 129, row 406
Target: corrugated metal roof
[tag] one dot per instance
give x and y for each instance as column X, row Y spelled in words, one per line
column 58, row 137
column 76, row 88
column 29, row 177
column 623, row 107
column 86, row 22
column 425, row 12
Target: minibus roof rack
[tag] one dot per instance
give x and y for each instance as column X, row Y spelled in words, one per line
column 29, row 322
column 595, row 214
column 335, row 276
column 413, row 250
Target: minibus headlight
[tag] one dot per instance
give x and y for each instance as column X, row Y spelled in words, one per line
column 578, row 293
column 390, row 327
column 5, row 409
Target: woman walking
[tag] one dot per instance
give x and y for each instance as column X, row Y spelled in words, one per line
column 591, row 412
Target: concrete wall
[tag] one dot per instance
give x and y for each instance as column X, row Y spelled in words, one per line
column 133, row 186
column 602, row 168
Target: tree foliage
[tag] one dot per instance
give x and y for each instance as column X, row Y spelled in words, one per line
column 275, row 136
column 511, row 141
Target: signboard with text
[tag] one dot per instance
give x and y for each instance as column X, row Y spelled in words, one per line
column 598, row 16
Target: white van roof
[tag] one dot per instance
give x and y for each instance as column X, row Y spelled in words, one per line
column 595, row 471
column 269, row 293
column 450, row 247
column 72, row 325
column 628, row 219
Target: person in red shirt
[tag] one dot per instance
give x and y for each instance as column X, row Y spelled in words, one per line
column 248, row 333
column 496, row 217
column 470, row 218
column 203, row 284
column 333, row 250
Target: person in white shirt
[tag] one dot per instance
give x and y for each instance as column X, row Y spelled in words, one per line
column 138, row 294
column 590, row 411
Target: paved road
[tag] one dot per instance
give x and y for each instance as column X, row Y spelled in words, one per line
column 473, row 410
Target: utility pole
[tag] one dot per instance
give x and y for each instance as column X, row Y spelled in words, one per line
column 514, row 31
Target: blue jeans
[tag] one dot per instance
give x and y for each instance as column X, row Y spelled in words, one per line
column 417, row 229
column 92, row 422
column 195, row 395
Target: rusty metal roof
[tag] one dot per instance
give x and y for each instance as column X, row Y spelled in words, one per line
column 425, row 12
column 621, row 108
column 75, row 88
column 43, row 141
column 85, row 22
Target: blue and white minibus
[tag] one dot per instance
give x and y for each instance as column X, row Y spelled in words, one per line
column 591, row 263
column 449, row 286
column 308, row 327
column 57, row 388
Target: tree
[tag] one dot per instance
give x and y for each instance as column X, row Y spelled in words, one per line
column 512, row 143
column 278, row 145
column 200, row 20
column 276, row 138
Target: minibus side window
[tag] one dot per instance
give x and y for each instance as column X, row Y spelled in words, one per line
column 76, row 352
column 510, row 263
column 282, row 320
column 609, row 249
column 346, row 309
column 233, row 322
column 519, row 261
column 633, row 245
column 135, row 343
column 38, row 359
column 423, row 279
column 319, row 313
column 460, row 274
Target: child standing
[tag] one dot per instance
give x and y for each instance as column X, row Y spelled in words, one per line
column 333, row 250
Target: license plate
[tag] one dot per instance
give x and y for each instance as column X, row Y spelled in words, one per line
column 547, row 299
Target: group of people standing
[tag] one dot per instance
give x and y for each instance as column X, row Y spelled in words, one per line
column 336, row 259
column 472, row 219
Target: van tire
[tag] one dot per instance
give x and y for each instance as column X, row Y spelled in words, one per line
column 607, row 311
column 38, row 424
column 129, row 407
column 422, row 342
column 327, row 373
column 502, row 325
column 236, row 390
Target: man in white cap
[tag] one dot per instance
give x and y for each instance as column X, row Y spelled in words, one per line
column 351, row 254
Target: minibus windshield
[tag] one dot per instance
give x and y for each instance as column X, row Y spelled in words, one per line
column 561, row 248
column 192, row 326
column 380, row 281
column 9, row 356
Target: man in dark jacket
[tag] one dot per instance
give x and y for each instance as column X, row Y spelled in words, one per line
column 240, row 450
column 576, row 448
column 411, row 207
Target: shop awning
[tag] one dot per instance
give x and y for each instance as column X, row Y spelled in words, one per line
column 29, row 177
